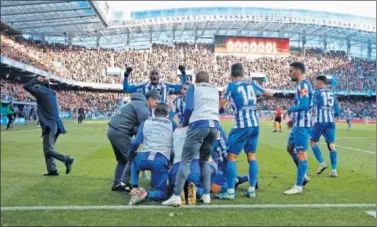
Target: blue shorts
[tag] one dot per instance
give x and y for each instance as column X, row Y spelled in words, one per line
column 243, row 138
column 194, row 175
column 299, row 136
column 327, row 129
column 349, row 121
column 158, row 168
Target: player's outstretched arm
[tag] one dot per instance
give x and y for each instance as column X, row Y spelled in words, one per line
column 128, row 88
column 136, row 142
column 224, row 97
column 177, row 88
column 174, row 110
column 336, row 107
column 189, row 105
column 303, row 105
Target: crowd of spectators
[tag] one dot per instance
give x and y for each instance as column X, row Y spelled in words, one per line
column 93, row 102
column 107, row 103
column 89, row 65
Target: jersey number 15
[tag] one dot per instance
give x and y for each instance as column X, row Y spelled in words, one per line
column 328, row 99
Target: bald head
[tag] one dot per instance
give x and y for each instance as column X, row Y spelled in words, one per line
column 202, row 77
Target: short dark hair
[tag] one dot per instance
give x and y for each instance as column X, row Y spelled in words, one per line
column 237, row 70
column 298, row 65
column 153, row 94
column 202, row 76
column 322, row 78
column 161, row 110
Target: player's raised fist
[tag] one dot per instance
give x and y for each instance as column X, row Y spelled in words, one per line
column 181, row 68
column 128, row 70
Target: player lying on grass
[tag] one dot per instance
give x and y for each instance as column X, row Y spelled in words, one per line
column 243, row 95
column 193, row 180
column 326, row 103
column 219, row 184
column 156, row 134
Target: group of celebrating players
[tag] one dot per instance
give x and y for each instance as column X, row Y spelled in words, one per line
column 196, row 157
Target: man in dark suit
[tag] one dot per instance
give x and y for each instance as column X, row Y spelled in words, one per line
column 51, row 124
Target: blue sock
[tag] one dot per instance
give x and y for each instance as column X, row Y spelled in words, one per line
column 156, row 195
column 231, row 173
column 224, row 188
column 294, row 157
column 199, row 192
column 119, row 172
column 253, row 172
column 243, row 179
column 301, row 171
column 134, row 174
column 333, row 159
column 317, row 153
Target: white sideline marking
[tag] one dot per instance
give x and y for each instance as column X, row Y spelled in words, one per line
column 372, row 213
column 19, row 131
column 355, row 149
column 239, row 206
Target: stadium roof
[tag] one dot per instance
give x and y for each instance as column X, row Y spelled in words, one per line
column 86, row 23
column 52, row 17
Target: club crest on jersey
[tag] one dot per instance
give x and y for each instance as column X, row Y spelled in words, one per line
column 158, row 90
column 304, row 92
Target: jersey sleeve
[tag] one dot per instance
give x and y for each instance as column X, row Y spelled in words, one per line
column 304, row 99
column 189, row 105
column 227, row 92
column 176, row 88
column 258, row 89
column 336, row 106
column 128, row 88
column 138, row 140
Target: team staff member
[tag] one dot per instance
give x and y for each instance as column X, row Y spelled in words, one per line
column 51, row 124
column 122, row 127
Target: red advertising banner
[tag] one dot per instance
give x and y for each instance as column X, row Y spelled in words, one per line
column 251, row 45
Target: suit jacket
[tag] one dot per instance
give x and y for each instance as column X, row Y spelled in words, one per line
column 47, row 110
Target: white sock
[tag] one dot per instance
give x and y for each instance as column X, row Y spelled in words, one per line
column 251, row 189
column 230, row 190
column 298, row 186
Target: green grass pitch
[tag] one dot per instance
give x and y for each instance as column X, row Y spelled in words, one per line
column 22, row 184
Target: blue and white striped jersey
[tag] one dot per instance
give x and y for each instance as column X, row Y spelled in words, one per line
column 326, row 105
column 179, row 107
column 164, row 89
column 243, row 97
column 219, row 153
column 303, row 104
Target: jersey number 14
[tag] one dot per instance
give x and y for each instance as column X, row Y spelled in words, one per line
column 247, row 93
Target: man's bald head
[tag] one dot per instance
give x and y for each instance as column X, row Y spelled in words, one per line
column 202, row 77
